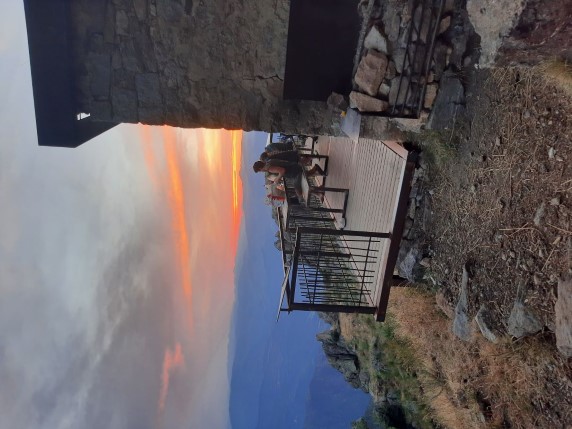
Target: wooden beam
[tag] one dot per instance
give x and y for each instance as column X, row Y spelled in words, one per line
column 333, row 308
column 395, row 242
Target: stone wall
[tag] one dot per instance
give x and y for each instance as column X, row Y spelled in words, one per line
column 188, row 63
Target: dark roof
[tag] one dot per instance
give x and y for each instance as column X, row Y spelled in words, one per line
column 53, row 80
column 322, row 40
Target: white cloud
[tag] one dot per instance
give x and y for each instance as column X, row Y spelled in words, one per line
column 75, row 267
column 88, row 286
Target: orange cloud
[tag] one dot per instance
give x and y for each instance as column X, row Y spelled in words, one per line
column 172, row 360
column 196, row 174
column 236, row 137
column 178, row 210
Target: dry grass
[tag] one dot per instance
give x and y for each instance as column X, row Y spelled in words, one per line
column 479, row 384
column 391, row 366
column 515, row 158
column 559, row 74
column 457, row 384
column 430, row 336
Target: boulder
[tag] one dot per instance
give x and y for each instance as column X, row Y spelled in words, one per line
column 124, row 104
column 384, row 90
column 375, row 40
column 398, row 59
column 444, row 24
column 109, row 24
column 521, row 321
column 140, row 7
column 380, row 128
column 398, row 91
column 337, row 101
column 371, row 71
column 100, row 75
column 408, row 261
column 443, row 304
column 449, row 103
column 483, row 320
column 341, row 356
column 563, row 310
column 449, row 6
column 430, row 95
column 171, row 11
column 148, row 89
column 422, row 19
column 365, row 103
column 102, row 109
column 417, row 62
column 391, row 71
column 391, row 21
column 461, row 323
column 431, row 76
column 122, row 23
column 130, row 58
column 412, row 125
column 150, row 106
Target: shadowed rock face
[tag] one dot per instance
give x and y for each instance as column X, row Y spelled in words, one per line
column 341, row 357
column 543, row 32
column 214, row 64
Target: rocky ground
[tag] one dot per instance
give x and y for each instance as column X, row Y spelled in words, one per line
column 489, row 238
column 501, row 198
column 498, row 238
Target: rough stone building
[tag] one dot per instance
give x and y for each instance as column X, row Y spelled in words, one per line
column 237, row 64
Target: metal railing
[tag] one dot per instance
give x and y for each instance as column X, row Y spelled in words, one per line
column 408, row 100
column 332, row 270
column 299, row 215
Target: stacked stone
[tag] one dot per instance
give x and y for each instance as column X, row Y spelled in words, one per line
column 381, row 79
column 214, row 64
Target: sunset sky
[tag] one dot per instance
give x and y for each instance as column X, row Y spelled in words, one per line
column 195, row 176
column 116, row 268
column 117, row 288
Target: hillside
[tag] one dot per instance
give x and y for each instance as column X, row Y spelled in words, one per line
column 484, row 337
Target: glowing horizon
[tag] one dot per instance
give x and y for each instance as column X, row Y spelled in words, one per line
column 197, row 174
column 236, row 185
column 176, row 200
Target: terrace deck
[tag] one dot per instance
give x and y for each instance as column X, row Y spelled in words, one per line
column 378, row 177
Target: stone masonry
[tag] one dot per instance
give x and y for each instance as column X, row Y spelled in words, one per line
column 188, row 63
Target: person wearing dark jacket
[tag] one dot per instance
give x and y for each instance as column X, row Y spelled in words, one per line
column 291, row 170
